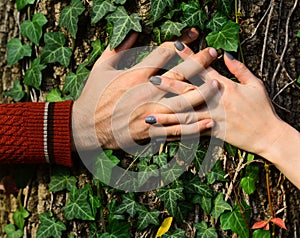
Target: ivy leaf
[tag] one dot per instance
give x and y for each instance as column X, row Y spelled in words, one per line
column 11, row 231
column 204, row 232
column 129, row 205
column 100, row 9
column 298, row 33
column 235, row 221
column 74, row 82
column 261, row 234
column 19, row 217
column 231, row 150
column 121, row 2
column 146, row 218
column 93, row 200
column 169, row 29
column 33, row 29
column 49, row 227
column 279, row 222
column 220, row 206
column 178, row 233
column 170, row 197
column 23, row 3
column 204, row 202
column 16, row 92
column 193, row 15
column 159, row 7
column 217, row 22
column 69, row 16
column 116, row 229
column 248, row 184
column 161, row 159
column 33, row 76
column 224, row 6
column 226, row 38
column 54, row 50
column 78, row 206
column 171, row 172
column 54, row 96
column 98, row 48
column 16, row 51
column 147, row 172
column 61, row 180
column 216, row 174
column 123, row 23
column 196, row 186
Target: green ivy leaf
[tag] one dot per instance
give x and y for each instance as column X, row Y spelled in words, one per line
column 220, row 206
column 16, row 92
column 146, row 218
column 61, row 180
column 33, row 75
column 54, row 50
column 216, row 174
column 161, row 159
column 147, row 172
column 159, row 7
column 231, row 150
column 170, row 29
column 16, row 51
column 69, row 16
column 298, row 33
column 217, row 22
column 19, row 217
column 248, row 184
column 104, row 164
column 198, row 187
column 93, row 200
column 261, row 234
column 224, row 6
column 54, row 96
column 117, row 229
column 235, row 221
column 74, row 82
column 227, row 38
column 78, row 206
column 170, row 197
column 171, row 172
column 11, row 231
column 49, row 227
column 193, row 15
column 178, row 233
column 204, row 202
column 100, row 9
column 204, row 232
column 33, row 29
column 123, row 23
column 121, row 2
column 129, row 205
column 23, row 3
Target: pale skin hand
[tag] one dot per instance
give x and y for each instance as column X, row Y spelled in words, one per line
column 112, row 108
column 244, row 117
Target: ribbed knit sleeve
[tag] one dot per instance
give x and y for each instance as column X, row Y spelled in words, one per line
column 36, row 133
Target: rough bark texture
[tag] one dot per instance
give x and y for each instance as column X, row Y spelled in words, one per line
column 262, row 41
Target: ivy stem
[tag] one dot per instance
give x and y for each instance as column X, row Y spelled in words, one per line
column 268, row 189
column 237, row 15
column 99, row 194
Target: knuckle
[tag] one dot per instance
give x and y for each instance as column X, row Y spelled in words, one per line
column 177, row 75
column 177, row 131
column 164, row 51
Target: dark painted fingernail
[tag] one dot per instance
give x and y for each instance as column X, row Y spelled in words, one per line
column 178, row 45
column 230, row 56
column 150, row 120
column 155, row 80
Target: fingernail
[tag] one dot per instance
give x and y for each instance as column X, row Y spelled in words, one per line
column 210, row 124
column 193, row 35
column 228, row 55
column 155, row 80
column 213, row 52
column 178, row 45
column 150, row 120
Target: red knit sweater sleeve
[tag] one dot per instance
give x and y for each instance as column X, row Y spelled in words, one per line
column 36, row 133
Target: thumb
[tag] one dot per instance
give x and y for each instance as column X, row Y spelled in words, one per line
column 239, row 70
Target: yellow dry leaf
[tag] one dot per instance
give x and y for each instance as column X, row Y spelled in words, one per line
column 165, row 226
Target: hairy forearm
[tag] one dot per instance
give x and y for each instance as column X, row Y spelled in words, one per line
column 284, row 152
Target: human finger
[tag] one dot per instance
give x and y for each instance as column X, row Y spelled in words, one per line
column 181, row 129
column 162, row 54
column 239, row 70
column 171, row 86
column 193, row 98
column 194, row 64
column 111, row 56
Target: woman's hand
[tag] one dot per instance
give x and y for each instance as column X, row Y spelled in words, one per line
column 112, row 108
